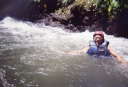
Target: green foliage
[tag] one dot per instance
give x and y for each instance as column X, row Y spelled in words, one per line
column 103, row 7
column 65, row 1
column 112, row 7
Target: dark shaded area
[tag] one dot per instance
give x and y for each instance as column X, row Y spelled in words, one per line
column 1, row 84
column 51, row 5
column 13, row 8
column 122, row 23
column 20, row 9
column 26, row 9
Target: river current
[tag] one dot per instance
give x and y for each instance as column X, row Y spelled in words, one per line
column 31, row 55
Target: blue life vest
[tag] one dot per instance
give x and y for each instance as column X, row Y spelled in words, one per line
column 100, row 50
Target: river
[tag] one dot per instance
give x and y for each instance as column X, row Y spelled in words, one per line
column 31, row 56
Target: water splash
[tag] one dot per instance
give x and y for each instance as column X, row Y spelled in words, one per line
column 33, row 51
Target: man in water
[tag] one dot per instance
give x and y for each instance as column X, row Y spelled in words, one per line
column 99, row 46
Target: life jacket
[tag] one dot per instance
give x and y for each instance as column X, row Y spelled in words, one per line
column 100, row 50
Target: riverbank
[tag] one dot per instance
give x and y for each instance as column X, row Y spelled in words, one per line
column 76, row 16
column 80, row 16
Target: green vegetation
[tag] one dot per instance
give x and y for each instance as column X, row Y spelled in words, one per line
column 104, row 8
column 111, row 7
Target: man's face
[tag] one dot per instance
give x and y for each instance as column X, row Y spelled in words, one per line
column 98, row 39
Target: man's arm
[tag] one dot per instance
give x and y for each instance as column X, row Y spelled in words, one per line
column 79, row 51
column 121, row 60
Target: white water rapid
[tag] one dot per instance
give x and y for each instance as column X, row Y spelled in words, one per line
column 31, row 56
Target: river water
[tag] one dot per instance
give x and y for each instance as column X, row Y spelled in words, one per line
column 31, row 56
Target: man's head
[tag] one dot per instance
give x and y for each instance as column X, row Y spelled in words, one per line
column 98, row 37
